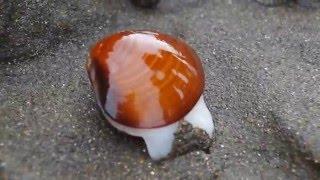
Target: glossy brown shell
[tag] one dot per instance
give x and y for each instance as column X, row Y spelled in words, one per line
column 145, row 79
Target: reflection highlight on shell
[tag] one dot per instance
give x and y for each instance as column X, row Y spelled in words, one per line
column 148, row 83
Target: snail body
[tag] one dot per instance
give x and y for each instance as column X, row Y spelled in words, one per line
column 146, row 84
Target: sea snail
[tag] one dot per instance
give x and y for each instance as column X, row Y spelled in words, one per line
column 148, row 84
